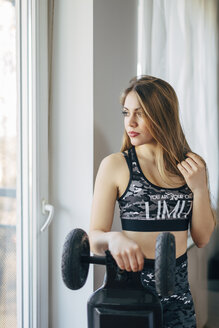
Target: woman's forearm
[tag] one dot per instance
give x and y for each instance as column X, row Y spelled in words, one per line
column 202, row 218
column 99, row 240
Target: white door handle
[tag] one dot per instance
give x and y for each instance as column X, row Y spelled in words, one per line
column 47, row 208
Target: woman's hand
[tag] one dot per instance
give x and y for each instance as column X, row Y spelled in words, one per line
column 193, row 170
column 126, row 252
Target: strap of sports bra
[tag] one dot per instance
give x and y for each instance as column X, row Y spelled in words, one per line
column 128, row 159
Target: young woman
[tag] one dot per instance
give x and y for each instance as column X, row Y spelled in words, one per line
column 160, row 185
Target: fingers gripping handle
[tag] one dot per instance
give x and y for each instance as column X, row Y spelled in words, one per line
column 47, row 208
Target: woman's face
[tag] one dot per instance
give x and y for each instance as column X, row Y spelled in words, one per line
column 135, row 121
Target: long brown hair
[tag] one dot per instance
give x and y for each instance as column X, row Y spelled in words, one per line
column 161, row 110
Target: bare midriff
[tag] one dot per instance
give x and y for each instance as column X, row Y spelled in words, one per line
column 147, row 241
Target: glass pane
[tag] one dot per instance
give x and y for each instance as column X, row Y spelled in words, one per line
column 8, row 159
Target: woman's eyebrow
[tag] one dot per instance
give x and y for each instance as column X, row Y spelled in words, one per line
column 134, row 109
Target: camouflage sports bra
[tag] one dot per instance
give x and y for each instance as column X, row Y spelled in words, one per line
column 147, row 207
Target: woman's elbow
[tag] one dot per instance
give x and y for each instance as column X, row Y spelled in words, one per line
column 201, row 240
column 201, row 243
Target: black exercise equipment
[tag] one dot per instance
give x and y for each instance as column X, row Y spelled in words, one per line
column 122, row 301
column 165, row 264
column 75, row 250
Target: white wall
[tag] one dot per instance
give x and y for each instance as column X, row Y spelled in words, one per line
column 115, row 63
column 71, row 150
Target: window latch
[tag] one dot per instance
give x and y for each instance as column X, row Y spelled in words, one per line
column 47, row 209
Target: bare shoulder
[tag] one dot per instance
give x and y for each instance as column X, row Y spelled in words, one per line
column 113, row 161
column 114, row 165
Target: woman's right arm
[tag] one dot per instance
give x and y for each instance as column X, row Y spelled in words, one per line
column 103, row 206
column 125, row 251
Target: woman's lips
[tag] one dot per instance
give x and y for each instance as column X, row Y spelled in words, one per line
column 133, row 134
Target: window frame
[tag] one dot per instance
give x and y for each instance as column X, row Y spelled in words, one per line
column 32, row 163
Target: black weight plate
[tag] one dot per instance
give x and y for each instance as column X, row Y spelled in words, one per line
column 165, row 264
column 74, row 271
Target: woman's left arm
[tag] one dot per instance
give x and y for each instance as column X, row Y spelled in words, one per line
column 194, row 171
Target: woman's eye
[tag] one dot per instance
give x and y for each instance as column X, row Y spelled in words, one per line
column 139, row 114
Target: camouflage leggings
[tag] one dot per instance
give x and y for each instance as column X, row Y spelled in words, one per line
column 178, row 309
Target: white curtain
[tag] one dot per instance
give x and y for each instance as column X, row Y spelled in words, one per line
column 177, row 41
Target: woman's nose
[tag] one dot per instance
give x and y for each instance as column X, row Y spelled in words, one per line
column 132, row 121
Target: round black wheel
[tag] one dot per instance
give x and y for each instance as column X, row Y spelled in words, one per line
column 74, row 271
column 165, row 264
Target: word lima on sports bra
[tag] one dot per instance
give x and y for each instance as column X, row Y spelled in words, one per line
column 175, row 212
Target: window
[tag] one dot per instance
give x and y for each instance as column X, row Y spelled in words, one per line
column 23, row 164
column 8, row 161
